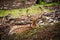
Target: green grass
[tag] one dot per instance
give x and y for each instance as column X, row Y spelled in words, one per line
column 17, row 12
column 52, row 3
column 31, row 10
column 5, row 12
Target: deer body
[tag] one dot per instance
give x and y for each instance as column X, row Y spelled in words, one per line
column 18, row 29
column 21, row 28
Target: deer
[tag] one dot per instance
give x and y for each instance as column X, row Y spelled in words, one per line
column 16, row 29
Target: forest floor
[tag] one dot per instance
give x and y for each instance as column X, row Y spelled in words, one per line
column 51, row 32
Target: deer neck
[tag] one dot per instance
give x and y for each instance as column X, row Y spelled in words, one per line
column 33, row 24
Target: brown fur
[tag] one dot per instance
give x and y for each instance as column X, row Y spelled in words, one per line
column 22, row 28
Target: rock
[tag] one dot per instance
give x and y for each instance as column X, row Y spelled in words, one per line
column 40, row 22
column 47, row 18
column 27, row 2
column 55, row 21
column 22, row 22
column 1, row 7
column 52, row 23
column 5, row 8
column 50, row 20
column 24, row 17
column 45, row 14
column 11, row 4
column 48, row 1
column 19, row 3
column 6, row 5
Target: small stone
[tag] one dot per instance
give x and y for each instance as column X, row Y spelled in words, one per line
column 13, row 5
column 42, row 23
column 22, row 21
column 0, row 24
column 27, row 2
column 52, row 23
column 55, row 21
column 28, row 25
column 1, row 7
column 5, row 7
column 12, row 22
column 45, row 13
column 19, row 3
column 50, row 20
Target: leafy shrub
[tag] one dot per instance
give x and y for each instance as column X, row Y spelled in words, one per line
column 40, row 2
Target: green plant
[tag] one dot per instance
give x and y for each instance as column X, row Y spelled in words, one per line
column 40, row 2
